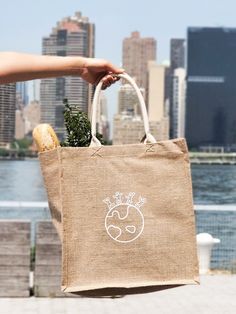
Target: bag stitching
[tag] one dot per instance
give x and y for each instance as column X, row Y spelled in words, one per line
column 64, row 237
column 188, row 186
column 95, row 153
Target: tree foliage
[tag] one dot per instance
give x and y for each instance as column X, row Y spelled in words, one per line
column 23, row 143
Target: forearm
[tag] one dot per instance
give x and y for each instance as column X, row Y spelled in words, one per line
column 22, row 67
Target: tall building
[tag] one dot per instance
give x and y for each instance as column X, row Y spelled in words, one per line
column 103, row 126
column 211, row 92
column 22, row 92
column 129, row 129
column 137, row 51
column 157, row 96
column 128, row 124
column 22, row 100
column 32, row 116
column 19, row 124
column 179, row 94
column 128, row 99
column 7, row 113
column 177, row 53
column 72, row 36
column 139, row 55
column 177, row 60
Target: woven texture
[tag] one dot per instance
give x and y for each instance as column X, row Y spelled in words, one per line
column 127, row 215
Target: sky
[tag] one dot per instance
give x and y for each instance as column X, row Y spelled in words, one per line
column 23, row 23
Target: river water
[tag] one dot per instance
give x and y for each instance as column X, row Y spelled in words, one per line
column 22, row 181
column 212, row 184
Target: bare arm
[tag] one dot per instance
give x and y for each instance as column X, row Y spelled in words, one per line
column 22, row 67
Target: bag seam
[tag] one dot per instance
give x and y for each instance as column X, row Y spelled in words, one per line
column 64, row 238
column 188, row 186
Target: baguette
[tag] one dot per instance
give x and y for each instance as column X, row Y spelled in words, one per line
column 45, row 137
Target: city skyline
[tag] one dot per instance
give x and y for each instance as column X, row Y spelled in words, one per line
column 161, row 20
column 204, row 13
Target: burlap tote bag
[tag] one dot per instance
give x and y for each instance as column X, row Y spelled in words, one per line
column 124, row 213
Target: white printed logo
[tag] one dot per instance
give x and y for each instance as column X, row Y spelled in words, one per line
column 124, row 221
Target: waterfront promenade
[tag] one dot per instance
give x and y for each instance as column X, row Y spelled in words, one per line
column 212, row 158
column 204, row 158
column 215, row 295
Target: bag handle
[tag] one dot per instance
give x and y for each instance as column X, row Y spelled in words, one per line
column 96, row 100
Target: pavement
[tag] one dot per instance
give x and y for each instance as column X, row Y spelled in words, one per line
column 215, row 295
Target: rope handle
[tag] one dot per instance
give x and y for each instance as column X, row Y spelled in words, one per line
column 96, row 100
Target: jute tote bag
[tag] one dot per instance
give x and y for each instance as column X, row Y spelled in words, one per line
column 124, row 213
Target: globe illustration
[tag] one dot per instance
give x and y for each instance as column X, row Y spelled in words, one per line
column 124, row 223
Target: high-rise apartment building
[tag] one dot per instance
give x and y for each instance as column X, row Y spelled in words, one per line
column 179, row 94
column 137, row 51
column 72, row 36
column 7, row 113
column 211, row 93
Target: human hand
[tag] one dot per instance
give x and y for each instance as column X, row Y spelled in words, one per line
column 96, row 69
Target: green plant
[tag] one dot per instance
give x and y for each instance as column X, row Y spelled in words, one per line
column 4, row 152
column 21, row 153
column 22, row 143
column 78, row 127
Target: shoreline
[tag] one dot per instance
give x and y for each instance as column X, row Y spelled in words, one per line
column 17, row 158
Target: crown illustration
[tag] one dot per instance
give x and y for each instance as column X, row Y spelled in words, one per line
column 121, row 199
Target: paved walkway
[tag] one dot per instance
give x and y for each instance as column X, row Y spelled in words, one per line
column 215, row 295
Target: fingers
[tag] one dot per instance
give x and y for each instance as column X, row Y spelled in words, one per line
column 112, row 68
column 108, row 80
column 109, row 70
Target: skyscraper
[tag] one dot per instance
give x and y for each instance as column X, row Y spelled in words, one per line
column 211, row 93
column 177, row 61
column 177, row 53
column 137, row 51
column 158, row 95
column 22, row 92
column 156, row 91
column 179, row 94
column 7, row 113
column 72, row 36
column 139, row 55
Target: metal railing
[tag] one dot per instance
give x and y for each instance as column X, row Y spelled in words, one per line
column 220, row 222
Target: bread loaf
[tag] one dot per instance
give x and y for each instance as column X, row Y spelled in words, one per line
column 45, row 137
